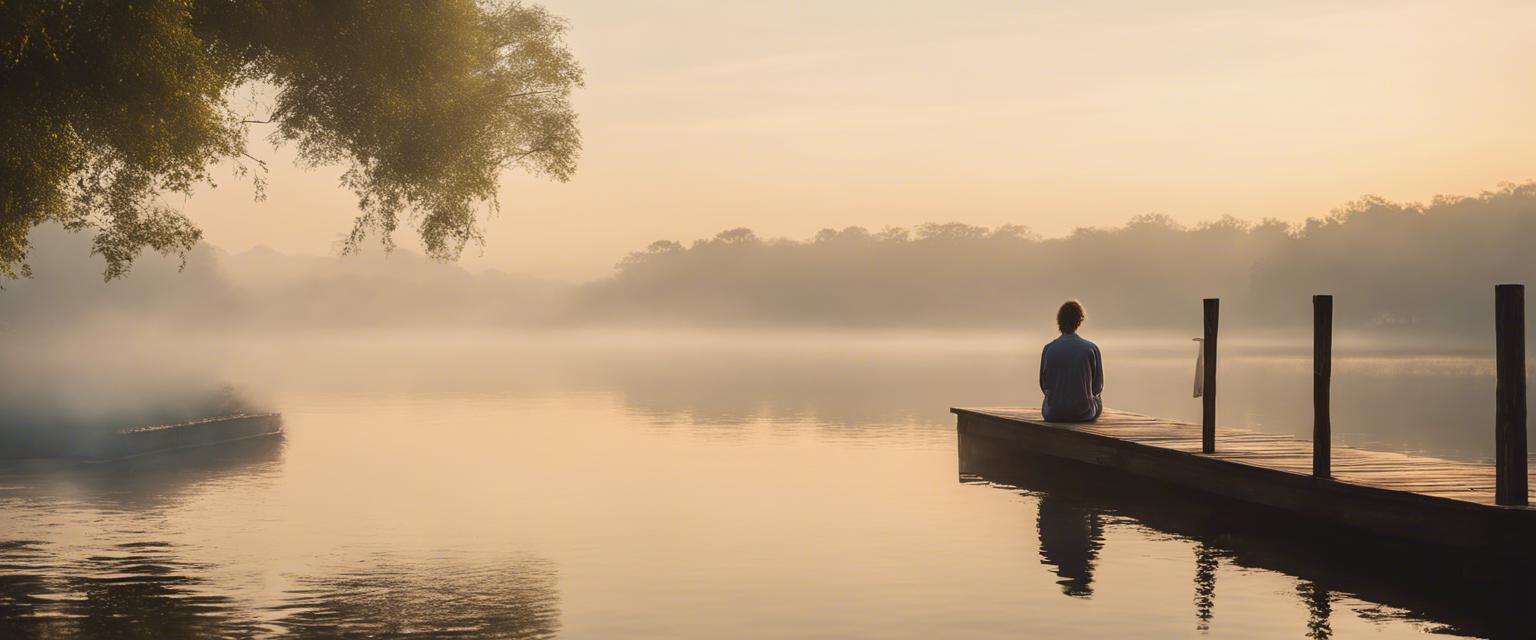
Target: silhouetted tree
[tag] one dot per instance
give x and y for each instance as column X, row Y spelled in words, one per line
column 108, row 105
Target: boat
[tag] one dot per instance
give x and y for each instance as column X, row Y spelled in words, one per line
column 141, row 440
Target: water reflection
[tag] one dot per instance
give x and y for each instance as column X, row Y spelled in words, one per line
column 857, row 384
column 145, row 482
column 109, row 568
column 116, row 586
column 517, row 598
column 21, row 592
column 735, row 474
column 1206, row 563
column 1460, row 594
column 1319, row 609
column 132, row 590
column 1070, row 536
column 143, row 590
column 838, row 388
column 1435, row 405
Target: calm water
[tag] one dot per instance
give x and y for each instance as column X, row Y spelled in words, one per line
column 791, row 489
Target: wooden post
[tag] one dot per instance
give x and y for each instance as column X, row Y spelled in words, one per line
column 1208, row 399
column 1322, row 377
column 1509, row 421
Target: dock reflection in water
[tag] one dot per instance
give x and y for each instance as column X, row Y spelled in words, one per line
column 1481, row 597
column 778, row 493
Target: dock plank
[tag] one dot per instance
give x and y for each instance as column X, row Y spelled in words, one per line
column 1409, row 494
column 1458, row 480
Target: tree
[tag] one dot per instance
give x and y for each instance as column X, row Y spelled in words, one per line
column 107, row 106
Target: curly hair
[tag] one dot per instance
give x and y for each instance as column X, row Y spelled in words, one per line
column 1070, row 316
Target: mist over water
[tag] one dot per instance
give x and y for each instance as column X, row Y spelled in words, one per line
column 86, row 357
column 460, row 461
column 757, row 272
column 648, row 485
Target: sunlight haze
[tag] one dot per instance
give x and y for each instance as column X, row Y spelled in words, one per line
column 791, row 117
column 767, row 320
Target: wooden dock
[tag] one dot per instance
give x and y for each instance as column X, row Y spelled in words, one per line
column 1415, row 498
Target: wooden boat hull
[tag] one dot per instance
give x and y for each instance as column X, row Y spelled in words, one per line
column 138, row 441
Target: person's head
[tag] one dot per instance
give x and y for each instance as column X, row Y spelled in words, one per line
column 1070, row 316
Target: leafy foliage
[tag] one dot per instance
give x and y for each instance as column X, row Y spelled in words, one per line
column 1412, row 267
column 1408, row 270
column 109, row 106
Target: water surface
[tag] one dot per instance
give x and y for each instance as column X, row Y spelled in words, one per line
column 788, row 489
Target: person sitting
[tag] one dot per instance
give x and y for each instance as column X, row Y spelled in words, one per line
column 1071, row 371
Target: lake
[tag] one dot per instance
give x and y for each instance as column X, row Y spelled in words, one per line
column 598, row 486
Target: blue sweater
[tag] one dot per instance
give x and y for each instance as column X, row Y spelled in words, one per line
column 1072, row 377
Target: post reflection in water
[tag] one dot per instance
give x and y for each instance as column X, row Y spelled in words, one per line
column 770, row 494
column 1206, row 564
column 1457, row 594
column 1319, row 608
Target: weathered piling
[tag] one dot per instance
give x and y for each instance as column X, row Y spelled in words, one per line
column 1322, row 378
column 1510, row 487
column 1208, row 397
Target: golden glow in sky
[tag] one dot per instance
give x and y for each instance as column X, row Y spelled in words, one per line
column 788, row 117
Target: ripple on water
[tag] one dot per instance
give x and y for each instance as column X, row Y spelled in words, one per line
column 516, row 598
column 142, row 590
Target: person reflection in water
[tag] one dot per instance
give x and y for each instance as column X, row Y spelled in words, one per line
column 1071, row 371
column 1070, row 537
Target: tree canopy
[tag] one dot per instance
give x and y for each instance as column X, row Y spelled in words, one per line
column 1401, row 273
column 108, row 106
column 1411, row 267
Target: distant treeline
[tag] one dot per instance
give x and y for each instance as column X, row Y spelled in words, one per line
column 1427, row 267
column 1416, row 268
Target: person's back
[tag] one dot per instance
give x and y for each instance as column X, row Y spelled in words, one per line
column 1071, row 371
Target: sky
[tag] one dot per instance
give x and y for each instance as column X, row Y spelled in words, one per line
column 789, row 117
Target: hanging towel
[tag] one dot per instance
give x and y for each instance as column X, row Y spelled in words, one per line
column 1199, row 366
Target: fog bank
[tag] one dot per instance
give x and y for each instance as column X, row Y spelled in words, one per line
column 81, row 354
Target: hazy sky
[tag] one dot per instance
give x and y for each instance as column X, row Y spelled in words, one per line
column 787, row 117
